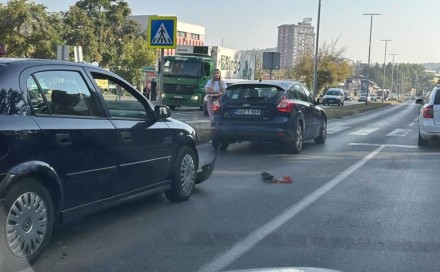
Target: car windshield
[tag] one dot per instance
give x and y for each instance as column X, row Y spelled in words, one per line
column 333, row 92
column 208, row 136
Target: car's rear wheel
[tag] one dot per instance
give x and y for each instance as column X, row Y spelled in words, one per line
column 322, row 133
column 421, row 141
column 183, row 176
column 297, row 144
column 26, row 222
column 220, row 144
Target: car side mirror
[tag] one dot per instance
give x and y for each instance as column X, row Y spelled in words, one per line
column 419, row 101
column 162, row 112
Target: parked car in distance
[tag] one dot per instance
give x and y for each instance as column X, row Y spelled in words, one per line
column 205, row 99
column 347, row 97
column 373, row 97
column 429, row 117
column 364, row 97
column 268, row 111
column 67, row 150
column 334, row 96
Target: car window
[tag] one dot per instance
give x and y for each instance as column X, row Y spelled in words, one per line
column 251, row 91
column 292, row 93
column 437, row 97
column 308, row 94
column 65, row 93
column 119, row 98
column 299, row 92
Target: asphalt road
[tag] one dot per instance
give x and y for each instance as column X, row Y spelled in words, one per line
column 367, row 200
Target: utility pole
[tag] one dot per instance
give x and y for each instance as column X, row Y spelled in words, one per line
column 392, row 73
column 315, row 66
column 369, row 53
column 384, row 67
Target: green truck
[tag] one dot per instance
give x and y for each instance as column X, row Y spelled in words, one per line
column 186, row 73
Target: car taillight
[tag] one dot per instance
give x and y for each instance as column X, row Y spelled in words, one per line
column 216, row 106
column 285, row 105
column 428, row 112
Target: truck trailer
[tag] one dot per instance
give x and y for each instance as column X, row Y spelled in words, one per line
column 186, row 73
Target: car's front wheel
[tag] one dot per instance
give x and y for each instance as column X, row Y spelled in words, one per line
column 183, row 175
column 26, row 222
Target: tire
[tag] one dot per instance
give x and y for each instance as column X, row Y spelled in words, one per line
column 421, row 141
column 26, row 223
column 172, row 107
column 183, row 176
column 322, row 133
column 296, row 146
column 219, row 143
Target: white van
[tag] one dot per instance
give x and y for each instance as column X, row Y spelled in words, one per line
column 334, row 96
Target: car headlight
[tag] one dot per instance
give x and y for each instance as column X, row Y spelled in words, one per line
column 195, row 97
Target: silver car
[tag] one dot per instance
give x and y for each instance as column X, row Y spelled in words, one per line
column 429, row 117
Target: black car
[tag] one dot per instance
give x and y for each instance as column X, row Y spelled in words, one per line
column 68, row 149
column 275, row 111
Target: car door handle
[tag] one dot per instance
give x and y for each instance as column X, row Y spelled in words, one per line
column 63, row 139
column 126, row 137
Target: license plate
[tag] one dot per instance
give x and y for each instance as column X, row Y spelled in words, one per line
column 247, row 112
column 178, row 96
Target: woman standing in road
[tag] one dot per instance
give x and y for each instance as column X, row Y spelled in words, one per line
column 214, row 88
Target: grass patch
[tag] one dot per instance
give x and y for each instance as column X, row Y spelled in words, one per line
column 336, row 112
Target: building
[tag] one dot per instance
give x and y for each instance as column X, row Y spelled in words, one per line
column 295, row 41
column 187, row 34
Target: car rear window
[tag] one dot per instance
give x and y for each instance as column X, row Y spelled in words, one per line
column 258, row 91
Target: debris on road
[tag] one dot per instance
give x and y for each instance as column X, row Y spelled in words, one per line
column 268, row 178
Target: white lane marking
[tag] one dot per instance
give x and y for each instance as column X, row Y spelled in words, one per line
column 236, row 251
column 331, row 130
column 387, row 145
column 411, row 124
column 399, row 132
column 364, row 131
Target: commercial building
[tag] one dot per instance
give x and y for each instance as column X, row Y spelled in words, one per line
column 187, row 33
column 295, row 41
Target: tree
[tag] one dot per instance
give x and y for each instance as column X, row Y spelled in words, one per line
column 332, row 67
column 107, row 36
column 28, row 30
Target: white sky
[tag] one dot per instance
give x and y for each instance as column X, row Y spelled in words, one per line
column 413, row 25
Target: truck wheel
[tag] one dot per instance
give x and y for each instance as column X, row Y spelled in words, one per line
column 26, row 222
column 183, row 176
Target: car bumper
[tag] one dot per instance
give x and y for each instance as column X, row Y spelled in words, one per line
column 332, row 101
column 278, row 130
column 429, row 130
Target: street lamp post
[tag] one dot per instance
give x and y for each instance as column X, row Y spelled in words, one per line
column 384, row 67
column 369, row 53
column 315, row 66
column 392, row 73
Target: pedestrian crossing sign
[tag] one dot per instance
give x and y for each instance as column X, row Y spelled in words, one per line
column 161, row 32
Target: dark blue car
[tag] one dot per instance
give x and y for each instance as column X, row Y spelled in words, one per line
column 274, row 111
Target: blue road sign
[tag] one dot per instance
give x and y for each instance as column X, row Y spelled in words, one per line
column 161, row 32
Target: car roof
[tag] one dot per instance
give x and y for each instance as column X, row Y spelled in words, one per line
column 30, row 61
column 283, row 84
